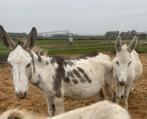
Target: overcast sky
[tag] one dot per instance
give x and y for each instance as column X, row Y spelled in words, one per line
column 78, row 16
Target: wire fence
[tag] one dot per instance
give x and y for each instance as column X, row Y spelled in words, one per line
column 61, row 47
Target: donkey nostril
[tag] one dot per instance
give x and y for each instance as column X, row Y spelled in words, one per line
column 25, row 94
column 122, row 83
column 21, row 95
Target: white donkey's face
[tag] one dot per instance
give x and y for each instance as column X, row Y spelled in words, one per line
column 122, row 63
column 20, row 61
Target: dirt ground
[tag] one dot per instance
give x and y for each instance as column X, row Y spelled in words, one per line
column 36, row 101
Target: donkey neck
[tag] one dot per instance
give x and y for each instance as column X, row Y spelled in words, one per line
column 45, row 68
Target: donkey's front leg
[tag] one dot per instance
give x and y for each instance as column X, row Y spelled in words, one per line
column 132, row 88
column 51, row 105
column 59, row 105
column 119, row 90
column 126, row 94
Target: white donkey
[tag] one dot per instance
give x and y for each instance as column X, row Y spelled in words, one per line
column 127, row 67
column 78, row 78
column 100, row 110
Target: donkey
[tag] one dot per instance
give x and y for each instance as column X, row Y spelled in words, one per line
column 127, row 67
column 78, row 78
column 99, row 110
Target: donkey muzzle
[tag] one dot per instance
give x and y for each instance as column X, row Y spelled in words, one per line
column 122, row 83
column 21, row 95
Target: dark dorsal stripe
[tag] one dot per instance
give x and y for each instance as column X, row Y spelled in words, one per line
column 69, row 61
column 64, row 62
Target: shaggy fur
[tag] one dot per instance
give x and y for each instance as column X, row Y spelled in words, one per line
column 100, row 110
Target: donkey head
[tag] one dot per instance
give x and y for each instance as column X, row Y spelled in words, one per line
column 20, row 60
column 123, row 62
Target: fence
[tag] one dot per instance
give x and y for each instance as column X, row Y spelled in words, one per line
column 61, row 47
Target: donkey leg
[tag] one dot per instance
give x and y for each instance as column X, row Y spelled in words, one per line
column 51, row 105
column 117, row 98
column 126, row 95
column 108, row 91
column 132, row 88
column 105, row 93
column 118, row 93
column 59, row 105
column 109, row 87
column 99, row 96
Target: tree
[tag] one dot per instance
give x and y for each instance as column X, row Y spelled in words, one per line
column 142, row 36
column 111, row 34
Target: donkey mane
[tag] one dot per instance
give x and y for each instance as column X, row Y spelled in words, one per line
column 39, row 51
column 43, row 52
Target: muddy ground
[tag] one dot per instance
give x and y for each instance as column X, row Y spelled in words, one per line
column 36, row 101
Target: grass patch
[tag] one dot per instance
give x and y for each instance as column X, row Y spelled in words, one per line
column 61, row 47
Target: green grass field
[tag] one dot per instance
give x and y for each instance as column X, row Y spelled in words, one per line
column 61, row 47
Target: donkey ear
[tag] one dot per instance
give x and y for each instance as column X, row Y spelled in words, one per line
column 8, row 42
column 29, row 43
column 133, row 44
column 118, row 43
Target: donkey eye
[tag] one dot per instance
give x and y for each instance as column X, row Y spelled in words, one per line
column 28, row 66
column 117, row 62
column 129, row 63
